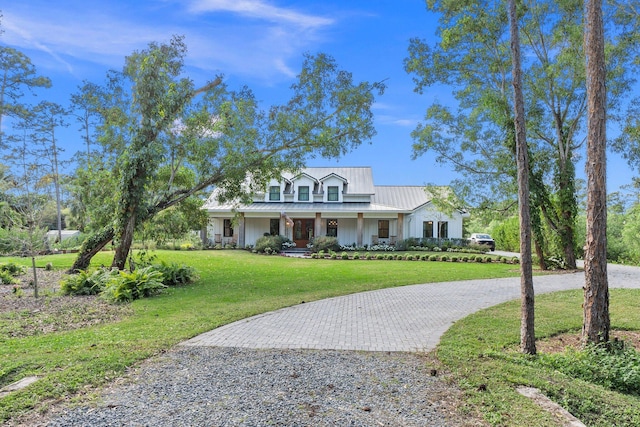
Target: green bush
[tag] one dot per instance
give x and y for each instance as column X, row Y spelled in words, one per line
column 128, row 286
column 325, row 243
column 6, row 278
column 344, row 255
column 488, row 259
column 617, row 369
column 433, row 257
column 269, row 244
column 175, row 274
column 454, row 259
column 379, row 256
column 13, row 268
column 356, row 255
column 444, row 258
column 86, row 283
column 479, row 259
column 367, row 255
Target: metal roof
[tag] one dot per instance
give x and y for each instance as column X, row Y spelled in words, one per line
column 406, row 197
column 359, row 179
column 385, row 198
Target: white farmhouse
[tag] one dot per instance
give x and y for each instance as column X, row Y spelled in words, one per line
column 332, row 201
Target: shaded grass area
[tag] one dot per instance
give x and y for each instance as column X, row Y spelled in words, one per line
column 482, row 353
column 233, row 285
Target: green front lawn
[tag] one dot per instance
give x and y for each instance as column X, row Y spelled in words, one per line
column 482, row 351
column 233, row 285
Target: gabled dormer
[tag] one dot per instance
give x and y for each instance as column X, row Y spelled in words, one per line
column 275, row 191
column 333, row 188
column 304, row 188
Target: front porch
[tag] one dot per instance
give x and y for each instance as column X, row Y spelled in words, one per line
column 301, row 227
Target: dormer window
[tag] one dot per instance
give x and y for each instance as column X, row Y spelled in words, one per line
column 333, row 193
column 303, row 193
column 274, row 193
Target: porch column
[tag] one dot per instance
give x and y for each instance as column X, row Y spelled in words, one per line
column 400, row 227
column 318, row 225
column 241, row 235
column 283, row 226
column 360, row 228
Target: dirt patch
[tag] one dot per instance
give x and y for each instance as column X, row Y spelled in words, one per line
column 560, row 343
column 23, row 315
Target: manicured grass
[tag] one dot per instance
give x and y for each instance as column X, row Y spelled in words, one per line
column 233, row 285
column 482, row 352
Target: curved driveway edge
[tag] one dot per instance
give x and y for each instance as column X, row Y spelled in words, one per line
column 406, row 318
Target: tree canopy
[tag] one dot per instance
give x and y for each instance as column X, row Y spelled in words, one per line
column 154, row 122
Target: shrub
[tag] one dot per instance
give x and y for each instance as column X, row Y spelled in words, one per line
column 367, row 256
column 488, row 259
column 465, row 259
column 479, row 259
column 175, row 274
column 614, row 367
column 13, row 269
column 333, row 255
column 379, row 256
column 344, row 255
column 408, row 257
column 454, row 259
column 424, row 257
column 444, row 258
column 515, row 260
column 325, row 243
column 128, row 286
column 433, row 258
column 269, row 244
column 48, row 266
column 356, row 255
column 86, row 283
column 6, row 278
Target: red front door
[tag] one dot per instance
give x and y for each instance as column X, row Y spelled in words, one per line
column 303, row 231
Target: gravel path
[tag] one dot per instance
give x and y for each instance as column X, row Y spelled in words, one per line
column 213, row 386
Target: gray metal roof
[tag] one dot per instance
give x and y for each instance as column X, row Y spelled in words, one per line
column 304, row 207
column 385, row 198
column 405, row 197
column 359, row 179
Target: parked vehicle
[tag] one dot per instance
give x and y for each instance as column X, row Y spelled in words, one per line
column 483, row 239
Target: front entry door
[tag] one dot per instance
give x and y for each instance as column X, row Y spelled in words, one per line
column 303, row 231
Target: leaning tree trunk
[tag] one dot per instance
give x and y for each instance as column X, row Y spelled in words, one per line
column 596, row 321
column 124, row 244
column 90, row 247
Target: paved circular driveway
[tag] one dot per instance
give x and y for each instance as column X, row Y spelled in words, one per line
column 408, row 318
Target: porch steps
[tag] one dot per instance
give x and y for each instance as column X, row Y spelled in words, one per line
column 296, row 252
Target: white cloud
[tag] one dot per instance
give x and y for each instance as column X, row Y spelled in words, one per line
column 260, row 42
column 260, row 9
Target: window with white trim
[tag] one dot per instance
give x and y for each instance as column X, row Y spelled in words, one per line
column 274, row 193
column 333, row 193
column 303, row 193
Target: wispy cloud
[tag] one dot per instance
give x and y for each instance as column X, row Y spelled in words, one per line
column 261, row 40
column 260, row 9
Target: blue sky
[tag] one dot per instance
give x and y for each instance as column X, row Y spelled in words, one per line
column 259, row 43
